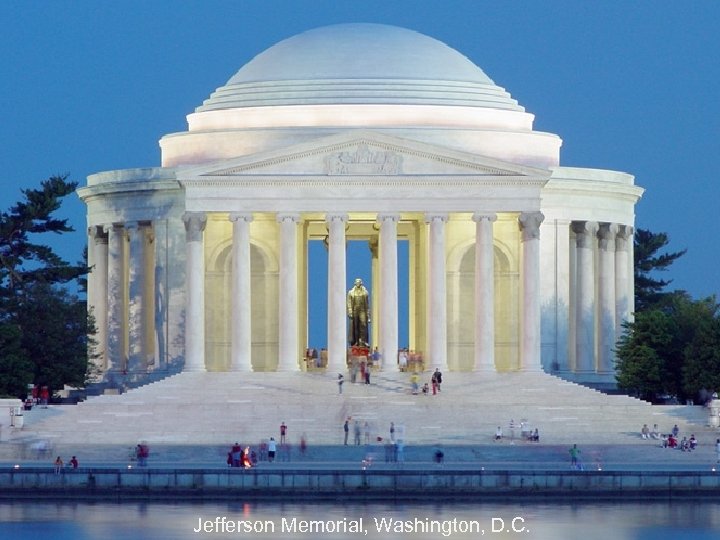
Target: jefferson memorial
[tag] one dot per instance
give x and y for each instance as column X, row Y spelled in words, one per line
column 360, row 132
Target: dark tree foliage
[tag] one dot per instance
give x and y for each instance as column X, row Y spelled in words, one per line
column 43, row 328
column 641, row 366
column 701, row 368
column 54, row 325
column 649, row 259
column 21, row 258
column 671, row 349
column 16, row 371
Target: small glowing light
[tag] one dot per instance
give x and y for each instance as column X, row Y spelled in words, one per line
column 129, row 466
column 599, row 468
column 17, row 466
column 713, row 469
column 482, row 468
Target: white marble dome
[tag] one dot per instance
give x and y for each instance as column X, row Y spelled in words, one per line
column 360, row 76
column 360, row 63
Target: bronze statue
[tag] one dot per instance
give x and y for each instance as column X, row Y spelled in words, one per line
column 358, row 310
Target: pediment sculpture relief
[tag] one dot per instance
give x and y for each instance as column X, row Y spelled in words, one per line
column 363, row 161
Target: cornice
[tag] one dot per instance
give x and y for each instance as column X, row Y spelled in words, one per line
column 128, row 187
column 370, row 181
column 556, row 186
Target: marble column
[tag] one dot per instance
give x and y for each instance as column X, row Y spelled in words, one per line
column 337, row 307
column 530, row 344
column 585, row 236
column 606, row 292
column 289, row 351
column 437, row 305
column 195, row 299
column 389, row 289
column 99, row 288
column 484, row 292
column 136, row 296
column 116, row 292
column 623, row 290
column 241, row 337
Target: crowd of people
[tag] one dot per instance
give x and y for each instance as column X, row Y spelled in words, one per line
column 671, row 439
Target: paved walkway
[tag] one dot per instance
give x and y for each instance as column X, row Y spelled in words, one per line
column 644, row 456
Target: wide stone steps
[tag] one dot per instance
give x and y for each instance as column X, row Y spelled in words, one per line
column 217, row 408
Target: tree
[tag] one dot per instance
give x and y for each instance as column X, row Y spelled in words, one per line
column 648, row 289
column 641, row 367
column 16, row 371
column 701, row 366
column 42, row 327
column 671, row 349
column 23, row 260
column 55, row 329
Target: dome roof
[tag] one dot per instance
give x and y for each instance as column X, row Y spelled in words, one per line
column 359, row 64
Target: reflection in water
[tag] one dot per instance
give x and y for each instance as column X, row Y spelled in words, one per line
column 266, row 520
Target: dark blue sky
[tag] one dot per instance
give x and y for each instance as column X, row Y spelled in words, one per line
column 632, row 86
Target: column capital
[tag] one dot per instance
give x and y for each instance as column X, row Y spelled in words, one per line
column 482, row 216
column 132, row 230
column 98, row 234
column 388, row 216
column 287, row 216
column 435, row 216
column 606, row 235
column 194, row 221
column 240, row 216
column 624, row 234
column 339, row 216
column 530, row 224
column 584, row 231
column 110, row 227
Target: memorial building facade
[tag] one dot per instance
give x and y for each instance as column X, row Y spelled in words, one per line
column 361, row 132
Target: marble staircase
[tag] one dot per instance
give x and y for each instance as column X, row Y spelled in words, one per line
column 218, row 408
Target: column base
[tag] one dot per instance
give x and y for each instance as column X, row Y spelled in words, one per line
column 241, row 370
column 194, row 369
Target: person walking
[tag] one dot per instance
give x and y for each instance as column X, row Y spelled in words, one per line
column 392, row 432
column 341, row 380
column 283, row 432
column 346, row 429
column 717, row 449
column 58, row 465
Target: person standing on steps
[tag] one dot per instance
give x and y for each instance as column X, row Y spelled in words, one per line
column 357, row 433
column 283, row 432
column 574, row 456
column 341, row 380
column 272, row 448
column 346, row 429
column 437, row 377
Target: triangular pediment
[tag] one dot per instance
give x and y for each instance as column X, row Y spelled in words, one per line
column 362, row 153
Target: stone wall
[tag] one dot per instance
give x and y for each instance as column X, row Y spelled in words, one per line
column 329, row 482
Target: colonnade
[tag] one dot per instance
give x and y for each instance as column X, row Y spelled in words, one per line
column 121, row 292
column 603, row 301
column 289, row 347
